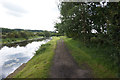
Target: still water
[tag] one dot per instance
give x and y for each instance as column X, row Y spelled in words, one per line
column 11, row 57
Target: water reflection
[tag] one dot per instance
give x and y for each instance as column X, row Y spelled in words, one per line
column 12, row 56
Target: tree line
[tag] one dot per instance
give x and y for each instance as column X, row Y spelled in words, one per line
column 94, row 24
column 21, row 33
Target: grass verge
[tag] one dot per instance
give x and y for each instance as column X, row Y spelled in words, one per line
column 84, row 55
column 39, row 65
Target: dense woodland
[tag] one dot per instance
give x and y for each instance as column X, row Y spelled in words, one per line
column 94, row 25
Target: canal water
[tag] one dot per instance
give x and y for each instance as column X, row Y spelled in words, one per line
column 11, row 57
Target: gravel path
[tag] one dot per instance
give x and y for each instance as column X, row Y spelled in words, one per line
column 64, row 65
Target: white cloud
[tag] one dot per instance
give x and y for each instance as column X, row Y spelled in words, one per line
column 28, row 14
column 13, row 7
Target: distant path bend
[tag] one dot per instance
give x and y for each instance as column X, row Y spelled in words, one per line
column 64, row 65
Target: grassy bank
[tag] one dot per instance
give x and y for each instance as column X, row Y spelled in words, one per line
column 83, row 55
column 39, row 65
column 10, row 40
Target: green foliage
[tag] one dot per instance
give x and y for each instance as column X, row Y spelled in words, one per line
column 14, row 35
column 47, row 34
column 20, row 33
column 40, row 34
column 42, row 48
column 78, row 20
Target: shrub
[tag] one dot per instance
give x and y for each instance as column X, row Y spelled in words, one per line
column 42, row 48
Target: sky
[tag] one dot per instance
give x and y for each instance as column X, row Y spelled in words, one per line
column 29, row 14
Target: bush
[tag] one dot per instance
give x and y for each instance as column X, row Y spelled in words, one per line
column 42, row 48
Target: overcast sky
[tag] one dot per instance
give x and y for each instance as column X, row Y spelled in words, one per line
column 29, row 14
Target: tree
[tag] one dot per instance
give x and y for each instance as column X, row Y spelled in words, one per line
column 47, row 33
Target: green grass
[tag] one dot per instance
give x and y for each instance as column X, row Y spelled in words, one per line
column 0, row 41
column 39, row 65
column 9, row 40
column 35, row 37
column 83, row 55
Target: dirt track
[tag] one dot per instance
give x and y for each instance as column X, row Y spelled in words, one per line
column 64, row 65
